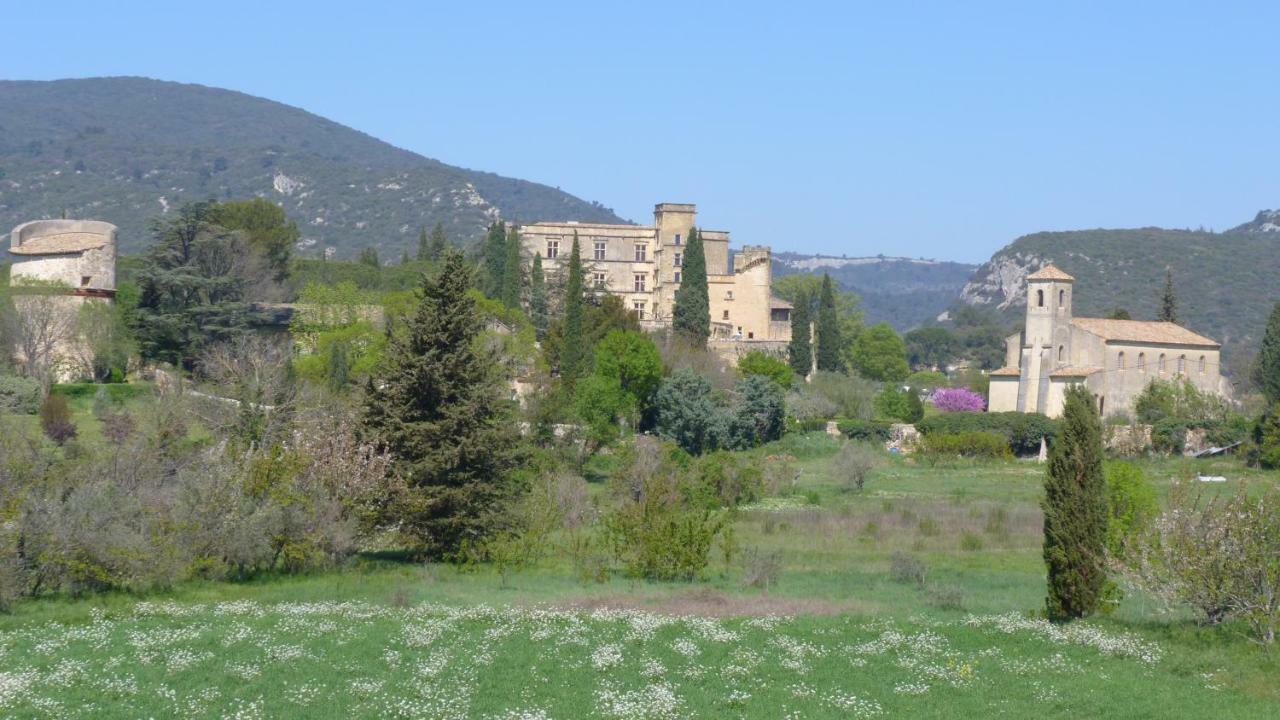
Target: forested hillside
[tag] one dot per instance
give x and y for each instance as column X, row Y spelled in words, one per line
column 127, row 149
column 903, row 292
column 1226, row 283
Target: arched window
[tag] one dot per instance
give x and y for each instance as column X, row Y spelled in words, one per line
column 1062, row 352
column 1201, row 364
column 1142, row 362
column 1062, row 298
column 1182, row 364
column 1160, row 367
column 1120, row 360
column 1039, row 298
column 1102, row 405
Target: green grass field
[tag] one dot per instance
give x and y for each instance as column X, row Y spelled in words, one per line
column 836, row 636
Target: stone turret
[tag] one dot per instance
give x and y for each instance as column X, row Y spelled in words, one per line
column 80, row 254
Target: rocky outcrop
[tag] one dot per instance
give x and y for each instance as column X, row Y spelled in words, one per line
column 1001, row 281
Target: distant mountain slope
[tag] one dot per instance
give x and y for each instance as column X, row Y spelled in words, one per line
column 126, row 149
column 1226, row 283
column 903, row 292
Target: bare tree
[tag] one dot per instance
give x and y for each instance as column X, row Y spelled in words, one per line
column 40, row 321
column 252, row 392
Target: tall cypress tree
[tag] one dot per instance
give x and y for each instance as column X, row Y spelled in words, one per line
column 1169, row 302
column 437, row 406
column 438, row 244
column 1075, row 511
column 495, row 259
column 828, row 329
column 1266, row 370
column 538, row 298
column 800, row 351
column 691, row 316
column 512, row 270
column 573, row 351
column 424, row 245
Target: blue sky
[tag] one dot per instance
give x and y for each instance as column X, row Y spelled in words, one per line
column 938, row 130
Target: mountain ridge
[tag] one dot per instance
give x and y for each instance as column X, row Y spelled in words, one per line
column 124, row 149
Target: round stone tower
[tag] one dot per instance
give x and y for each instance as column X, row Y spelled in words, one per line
column 80, row 254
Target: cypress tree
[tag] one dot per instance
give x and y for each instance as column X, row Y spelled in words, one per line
column 573, row 352
column 404, row 258
column 1266, row 369
column 495, row 259
column 512, row 270
column 800, row 351
column 1075, row 511
column 538, row 298
column 828, row 329
column 438, row 244
column 369, row 256
column 437, row 406
column 691, row 316
column 1169, row 302
column 339, row 371
column 424, row 244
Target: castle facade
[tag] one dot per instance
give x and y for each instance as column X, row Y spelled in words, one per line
column 643, row 265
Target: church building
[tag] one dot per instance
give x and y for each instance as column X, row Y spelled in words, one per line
column 1114, row 359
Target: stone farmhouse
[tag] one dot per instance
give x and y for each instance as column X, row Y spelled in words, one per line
column 642, row 264
column 1115, row 359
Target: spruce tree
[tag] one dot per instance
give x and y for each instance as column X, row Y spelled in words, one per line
column 573, row 350
column 691, row 316
column 437, row 406
column 512, row 270
column 1266, row 370
column 495, row 260
column 1075, row 511
column 438, row 244
column 828, row 329
column 1169, row 302
column 800, row 351
column 538, row 298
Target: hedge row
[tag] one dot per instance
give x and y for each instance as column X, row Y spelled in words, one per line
column 864, row 429
column 971, row 443
column 118, row 392
column 1023, row 431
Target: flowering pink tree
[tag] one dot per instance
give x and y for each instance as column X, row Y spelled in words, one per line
column 958, row 400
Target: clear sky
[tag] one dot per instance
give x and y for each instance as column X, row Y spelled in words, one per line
column 938, row 130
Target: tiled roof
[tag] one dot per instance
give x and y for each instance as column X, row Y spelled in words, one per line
column 1006, row 371
column 67, row 242
column 777, row 302
column 1049, row 272
column 1075, row 371
column 1141, row 331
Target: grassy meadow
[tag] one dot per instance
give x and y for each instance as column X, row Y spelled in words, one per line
column 913, row 598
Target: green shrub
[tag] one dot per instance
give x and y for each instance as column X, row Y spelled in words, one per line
column 118, row 392
column 758, row 363
column 1022, row 431
column 901, row 405
column 972, row 444
column 55, row 419
column 1169, row 435
column 19, row 395
column 855, row 429
column 1131, row 503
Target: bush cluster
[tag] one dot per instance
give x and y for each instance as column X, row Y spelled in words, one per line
column 1022, row 431
column 856, row 429
column 19, row 395
column 969, row 443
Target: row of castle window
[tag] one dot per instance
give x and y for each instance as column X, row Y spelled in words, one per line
column 600, row 248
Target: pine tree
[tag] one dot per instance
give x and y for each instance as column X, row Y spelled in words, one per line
column 691, row 316
column 512, row 270
column 800, row 351
column 573, row 351
column 1169, row 302
column 538, row 298
column 369, row 256
column 1266, row 369
column 495, row 259
column 437, row 407
column 438, row 244
column 1075, row 511
column 828, row 329
column 424, row 244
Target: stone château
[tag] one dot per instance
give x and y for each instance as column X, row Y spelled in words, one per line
column 643, row 263
column 1115, row 359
